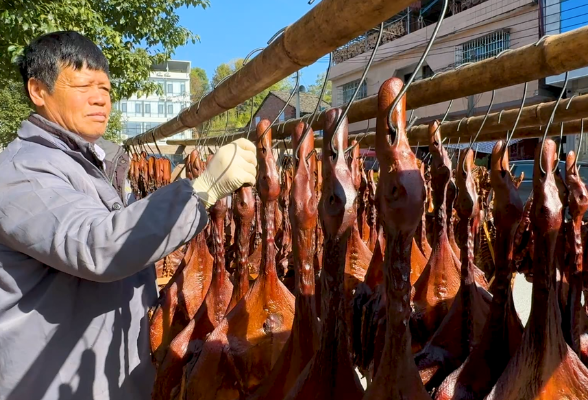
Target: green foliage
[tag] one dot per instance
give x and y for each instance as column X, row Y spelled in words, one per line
column 115, row 127
column 133, row 34
column 14, row 108
column 239, row 116
column 198, row 84
column 318, row 86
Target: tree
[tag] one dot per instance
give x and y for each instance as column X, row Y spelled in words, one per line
column 318, row 86
column 199, row 85
column 14, row 108
column 133, row 34
column 115, row 127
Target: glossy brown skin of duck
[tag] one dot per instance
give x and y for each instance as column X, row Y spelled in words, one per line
column 318, row 258
column 503, row 330
column 463, row 326
column 575, row 315
column 184, row 296
column 209, row 315
column 359, row 255
column 421, row 232
column 363, row 196
column 435, row 290
column 240, row 353
column 285, row 239
column 400, row 195
column 449, row 203
column 244, row 212
column 372, row 214
column 544, row 367
column 330, row 374
column 366, row 304
column 304, row 339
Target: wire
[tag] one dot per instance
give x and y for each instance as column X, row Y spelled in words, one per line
column 550, row 122
column 363, row 76
column 314, row 114
column 391, row 126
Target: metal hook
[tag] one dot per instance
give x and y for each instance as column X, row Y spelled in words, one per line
column 360, row 84
column 417, row 68
column 502, row 52
column 541, row 39
column 570, row 102
column 579, row 142
column 283, row 108
column 456, row 149
column 276, row 35
column 475, row 138
column 500, row 115
column 317, row 107
column 155, row 141
column 514, row 128
column 460, row 121
column 551, row 118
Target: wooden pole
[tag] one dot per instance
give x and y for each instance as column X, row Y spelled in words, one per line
column 552, row 56
column 534, row 116
column 570, row 128
column 300, row 45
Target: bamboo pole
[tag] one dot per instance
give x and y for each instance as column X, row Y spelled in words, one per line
column 300, row 45
column 533, row 116
column 552, row 56
column 570, row 128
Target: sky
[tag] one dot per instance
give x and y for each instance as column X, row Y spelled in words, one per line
column 230, row 29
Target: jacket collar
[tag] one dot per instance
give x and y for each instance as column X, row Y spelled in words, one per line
column 38, row 129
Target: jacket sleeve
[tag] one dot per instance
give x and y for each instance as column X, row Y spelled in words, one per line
column 44, row 217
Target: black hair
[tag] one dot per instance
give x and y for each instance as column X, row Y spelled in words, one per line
column 44, row 57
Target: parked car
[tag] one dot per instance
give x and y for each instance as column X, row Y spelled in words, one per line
column 526, row 166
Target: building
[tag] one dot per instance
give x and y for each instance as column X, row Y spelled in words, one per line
column 473, row 30
column 142, row 114
column 275, row 100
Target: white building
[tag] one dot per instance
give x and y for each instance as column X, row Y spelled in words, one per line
column 142, row 114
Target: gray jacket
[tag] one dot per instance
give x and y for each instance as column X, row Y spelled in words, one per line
column 76, row 269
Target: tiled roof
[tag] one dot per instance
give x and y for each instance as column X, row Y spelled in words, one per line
column 307, row 100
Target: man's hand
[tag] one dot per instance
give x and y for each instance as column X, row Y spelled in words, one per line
column 233, row 166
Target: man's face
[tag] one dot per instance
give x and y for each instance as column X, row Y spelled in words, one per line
column 79, row 102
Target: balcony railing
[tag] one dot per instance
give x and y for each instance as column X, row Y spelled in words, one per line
column 418, row 16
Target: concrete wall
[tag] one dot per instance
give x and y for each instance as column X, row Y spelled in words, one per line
column 400, row 56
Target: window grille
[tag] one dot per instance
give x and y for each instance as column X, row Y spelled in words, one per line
column 349, row 88
column 483, row 47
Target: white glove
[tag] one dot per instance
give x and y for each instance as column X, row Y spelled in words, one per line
column 233, row 166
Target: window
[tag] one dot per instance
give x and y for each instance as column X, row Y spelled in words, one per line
column 257, row 119
column 170, row 88
column 123, row 107
column 138, row 108
column 170, row 110
column 349, row 88
column 281, row 119
column 182, row 88
column 132, row 129
column 161, row 109
column 147, row 108
column 162, row 86
column 483, row 47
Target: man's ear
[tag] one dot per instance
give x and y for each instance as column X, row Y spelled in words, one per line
column 37, row 90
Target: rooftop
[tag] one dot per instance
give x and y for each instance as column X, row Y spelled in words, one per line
column 307, row 100
column 172, row 66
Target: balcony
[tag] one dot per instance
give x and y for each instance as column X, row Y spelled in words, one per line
column 418, row 15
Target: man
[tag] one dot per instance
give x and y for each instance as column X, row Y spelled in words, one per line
column 76, row 264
